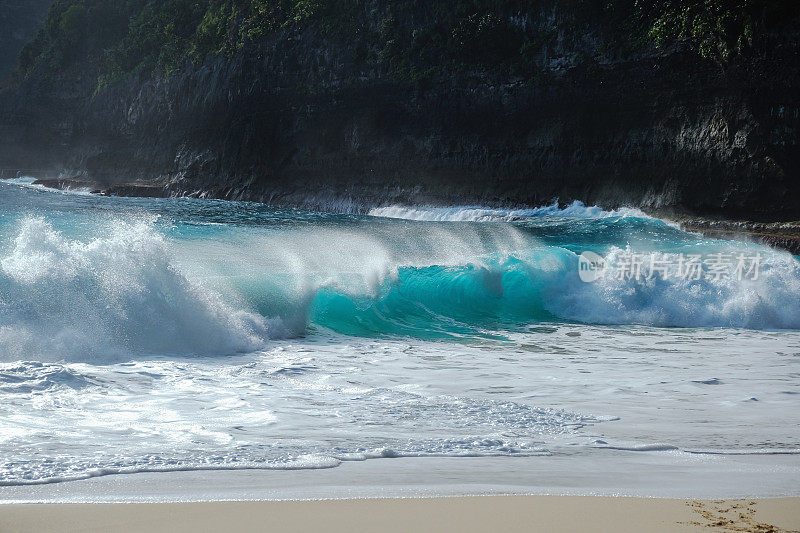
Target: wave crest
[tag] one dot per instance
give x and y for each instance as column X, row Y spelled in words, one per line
column 487, row 214
column 132, row 292
column 112, row 296
column 544, row 285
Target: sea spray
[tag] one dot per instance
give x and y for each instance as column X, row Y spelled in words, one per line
column 484, row 214
column 111, row 296
column 129, row 289
column 469, row 338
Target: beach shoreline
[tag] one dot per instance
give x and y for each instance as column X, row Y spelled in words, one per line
column 462, row 514
column 626, row 491
column 610, row 473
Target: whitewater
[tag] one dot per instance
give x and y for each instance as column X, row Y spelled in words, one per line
column 149, row 335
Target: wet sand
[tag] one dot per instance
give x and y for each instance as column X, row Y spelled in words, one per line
column 459, row 514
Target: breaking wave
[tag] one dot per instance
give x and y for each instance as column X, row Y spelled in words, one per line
column 115, row 295
column 543, row 285
column 485, row 214
column 132, row 290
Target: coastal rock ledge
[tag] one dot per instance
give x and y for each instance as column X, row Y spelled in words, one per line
column 339, row 119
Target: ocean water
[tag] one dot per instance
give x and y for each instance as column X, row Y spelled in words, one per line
column 148, row 335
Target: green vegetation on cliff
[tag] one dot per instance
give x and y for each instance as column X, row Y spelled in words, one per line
column 718, row 29
column 412, row 38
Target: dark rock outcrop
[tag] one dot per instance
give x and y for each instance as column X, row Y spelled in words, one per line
column 300, row 120
column 785, row 235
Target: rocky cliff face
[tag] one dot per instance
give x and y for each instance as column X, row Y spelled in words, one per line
column 303, row 120
column 19, row 22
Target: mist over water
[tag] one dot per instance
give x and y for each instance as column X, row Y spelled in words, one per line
column 182, row 277
column 181, row 334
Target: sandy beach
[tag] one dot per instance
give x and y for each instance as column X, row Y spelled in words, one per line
column 426, row 494
column 464, row 514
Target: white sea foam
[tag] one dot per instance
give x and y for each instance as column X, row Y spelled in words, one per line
column 122, row 301
column 486, row 214
column 127, row 291
column 302, row 462
column 313, row 403
column 770, row 302
column 30, row 184
column 112, row 296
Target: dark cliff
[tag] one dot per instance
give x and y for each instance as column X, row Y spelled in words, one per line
column 19, row 22
column 548, row 102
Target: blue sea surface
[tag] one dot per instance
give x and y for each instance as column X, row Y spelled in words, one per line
column 177, row 334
